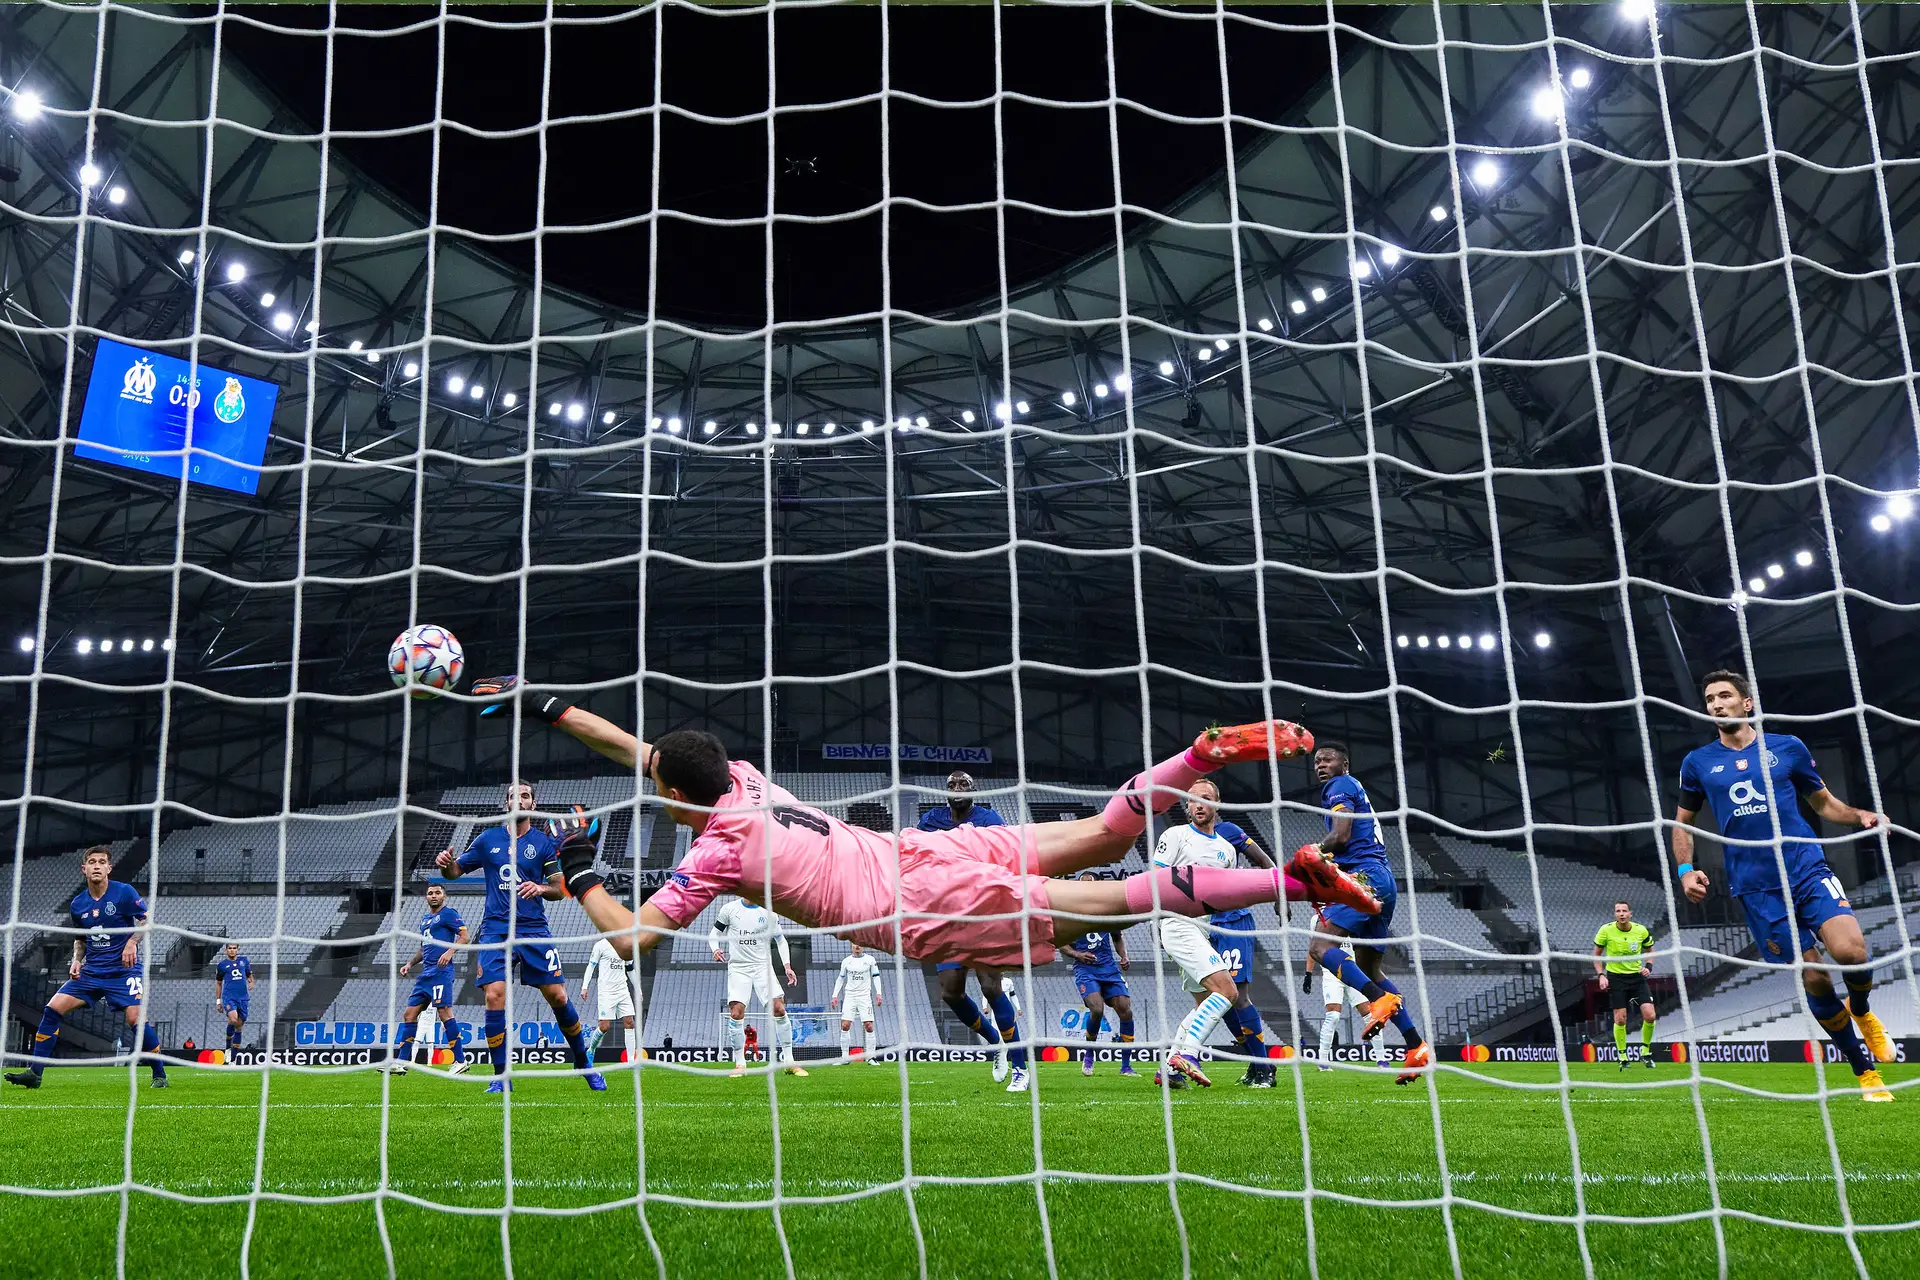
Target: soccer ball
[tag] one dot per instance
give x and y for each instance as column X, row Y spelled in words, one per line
column 427, row 658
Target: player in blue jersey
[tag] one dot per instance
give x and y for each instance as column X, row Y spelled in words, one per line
column 232, row 989
column 1232, row 935
column 1353, row 842
column 1098, row 959
column 522, row 874
column 961, row 810
column 1748, row 784
column 105, row 966
column 442, row 934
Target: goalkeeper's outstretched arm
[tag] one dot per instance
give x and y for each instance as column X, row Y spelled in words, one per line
column 596, row 732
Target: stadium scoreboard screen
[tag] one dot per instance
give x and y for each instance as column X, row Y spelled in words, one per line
column 144, row 409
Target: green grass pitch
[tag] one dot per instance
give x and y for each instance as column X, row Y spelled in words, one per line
column 841, row 1134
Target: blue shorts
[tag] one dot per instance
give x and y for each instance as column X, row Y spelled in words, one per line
column 1817, row 898
column 121, row 990
column 538, row 963
column 1237, row 950
column 1358, row 924
column 238, row 1006
column 436, row 987
column 1105, row 983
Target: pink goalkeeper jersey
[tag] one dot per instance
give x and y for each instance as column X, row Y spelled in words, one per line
column 765, row 845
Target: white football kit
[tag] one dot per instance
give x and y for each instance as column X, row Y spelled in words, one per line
column 1184, row 941
column 612, row 977
column 860, row 978
column 746, row 929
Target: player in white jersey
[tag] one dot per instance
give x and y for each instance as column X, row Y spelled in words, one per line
column 1337, row 995
column 860, row 979
column 1203, row 972
column 747, row 929
column 619, row 996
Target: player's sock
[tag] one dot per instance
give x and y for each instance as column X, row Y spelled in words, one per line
column 1126, row 812
column 1831, row 1013
column 1329, row 1024
column 1246, row 1031
column 453, row 1042
column 736, row 1039
column 496, row 1025
column 969, row 1013
column 570, row 1027
column 45, row 1038
column 866, row 1042
column 1202, row 891
column 1009, row 1029
column 150, row 1043
column 846, row 1042
column 1337, row 962
column 1402, row 1020
column 1859, row 983
column 782, row 1038
column 1646, row 1035
column 403, row 1047
column 594, row 1037
column 1126, row 1038
column 1620, row 1039
column 1200, row 1024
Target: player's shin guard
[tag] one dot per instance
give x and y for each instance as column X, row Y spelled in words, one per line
column 1830, row 1013
column 969, row 1013
column 1126, row 1038
column 867, row 1034
column 1859, row 984
column 1402, row 1020
column 453, row 1041
column 1009, row 1029
column 594, row 1037
column 45, row 1038
column 1329, row 1026
column 846, row 1042
column 150, row 1044
column 496, row 1028
column 1646, row 1035
column 736, row 1032
column 571, row 1028
column 402, row 1048
column 1620, row 1039
column 1126, row 812
column 1200, row 1024
column 782, row 1038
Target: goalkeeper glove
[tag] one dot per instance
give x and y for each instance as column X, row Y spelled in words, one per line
column 561, row 828
column 545, row 707
column 1306, row 981
column 577, row 852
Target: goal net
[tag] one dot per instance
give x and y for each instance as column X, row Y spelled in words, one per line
column 1016, row 391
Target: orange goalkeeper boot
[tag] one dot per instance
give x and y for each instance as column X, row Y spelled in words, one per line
column 1266, row 740
column 1326, row 882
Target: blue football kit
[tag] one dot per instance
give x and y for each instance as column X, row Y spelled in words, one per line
column 233, row 975
column 507, row 861
column 107, row 920
column 436, row 983
column 1784, row 920
column 1364, row 858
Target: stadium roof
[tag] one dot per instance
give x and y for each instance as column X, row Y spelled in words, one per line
column 1300, row 444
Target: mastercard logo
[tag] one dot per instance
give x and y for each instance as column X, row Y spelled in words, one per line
column 1588, row 1053
column 1679, row 1051
column 1475, row 1053
column 1284, row 1052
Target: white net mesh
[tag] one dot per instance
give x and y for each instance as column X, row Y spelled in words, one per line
column 1465, row 382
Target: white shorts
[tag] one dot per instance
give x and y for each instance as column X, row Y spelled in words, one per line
column 1338, row 992
column 1187, row 946
column 616, row 1004
column 760, row 982
column 857, row 1012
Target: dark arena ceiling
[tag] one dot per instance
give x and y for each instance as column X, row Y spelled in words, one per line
column 1219, row 444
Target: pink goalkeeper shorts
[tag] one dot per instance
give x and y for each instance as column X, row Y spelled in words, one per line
column 975, row 874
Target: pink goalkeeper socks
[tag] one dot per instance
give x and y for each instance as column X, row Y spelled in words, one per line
column 1126, row 813
column 1201, row 891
